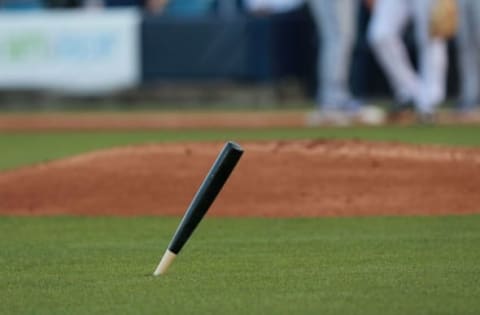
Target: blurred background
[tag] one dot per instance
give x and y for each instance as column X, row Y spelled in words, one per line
column 178, row 53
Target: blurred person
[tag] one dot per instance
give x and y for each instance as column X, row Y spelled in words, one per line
column 425, row 88
column 336, row 25
column 123, row 3
column 164, row 7
column 155, row 6
column 96, row 4
column 263, row 7
column 468, row 54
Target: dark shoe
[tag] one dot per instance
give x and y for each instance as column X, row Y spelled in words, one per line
column 401, row 113
column 426, row 118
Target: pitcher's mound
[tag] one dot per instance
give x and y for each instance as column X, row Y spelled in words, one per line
column 281, row 179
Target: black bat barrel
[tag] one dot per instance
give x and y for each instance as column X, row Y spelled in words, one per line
column 206, row 194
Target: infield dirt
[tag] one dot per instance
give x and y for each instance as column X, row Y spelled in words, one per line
column 273, row 179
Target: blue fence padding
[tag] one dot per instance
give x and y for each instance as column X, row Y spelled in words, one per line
column 200, row 48
column 189, row 8
column 242, row 48
column 21, row 5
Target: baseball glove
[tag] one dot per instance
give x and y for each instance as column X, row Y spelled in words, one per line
column 444, row 19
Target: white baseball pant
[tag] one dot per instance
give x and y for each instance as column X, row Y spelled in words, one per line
column 425, row 87
column 468, row 47
column 336, row 26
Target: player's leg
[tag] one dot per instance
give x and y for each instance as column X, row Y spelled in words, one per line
column 389, row 19
column 432, row 57
column 468, row 43
column 336, row 21
column 467, row 53
column 476, row 39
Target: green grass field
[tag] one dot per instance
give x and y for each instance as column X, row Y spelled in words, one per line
column 68, row 265
column 102, row 265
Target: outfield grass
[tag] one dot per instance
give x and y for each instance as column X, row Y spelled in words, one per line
column 409, row 265
column 382, row 265
column 17, row 149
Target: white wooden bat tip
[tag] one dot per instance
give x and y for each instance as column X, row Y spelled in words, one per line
column 165, row 262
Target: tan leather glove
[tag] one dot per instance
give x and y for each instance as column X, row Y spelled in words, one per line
column 444, row 19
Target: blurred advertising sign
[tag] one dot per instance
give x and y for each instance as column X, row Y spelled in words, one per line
column 85, row 51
